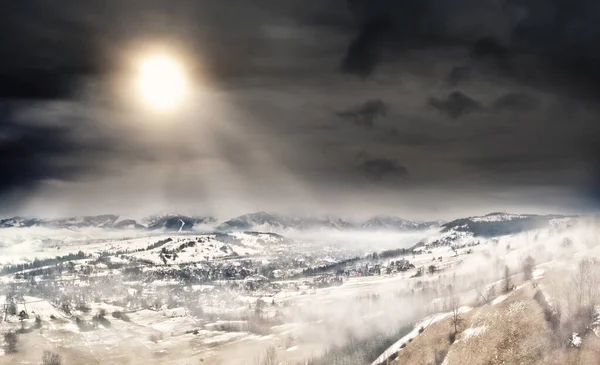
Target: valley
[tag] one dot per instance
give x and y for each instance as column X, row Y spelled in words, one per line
column 168, row 296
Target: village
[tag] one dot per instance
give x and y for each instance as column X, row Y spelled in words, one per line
column 250, row 295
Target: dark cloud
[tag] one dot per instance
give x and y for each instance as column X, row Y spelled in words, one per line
column 490, row 47
column 546, row 43
column 513, row 162
column 511, row 168
column 456, row 104
column 366, row 114
column 378, row 169
column 31, row 153
column 550, row 44
column 36, row 84
column 518, row 102
column 457, row 75
column 364, row 51
column 51, row 48
column 410, row 138
column 380, row 23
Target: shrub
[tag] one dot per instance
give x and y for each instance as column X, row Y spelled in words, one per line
column 38, row 322
column 528, row 266
column 50, row 358
column 122, row 316
column 155, row 337
column 10, row 341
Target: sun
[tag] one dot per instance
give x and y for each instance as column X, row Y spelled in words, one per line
column 161, row 82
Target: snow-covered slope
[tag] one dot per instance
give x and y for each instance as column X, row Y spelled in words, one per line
column 18, row 222
column 110, row 221
column 95, row 221
column 491, row 225
column 260, row 221
column 396, row 223
column 468, row 231
column 499, row 224
column 178, row 222
column 320, row 223
column 270, row 222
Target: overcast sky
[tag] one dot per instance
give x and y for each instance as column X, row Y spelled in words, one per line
column 419, row 108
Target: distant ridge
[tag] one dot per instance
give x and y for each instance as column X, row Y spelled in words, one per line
column 489, row 225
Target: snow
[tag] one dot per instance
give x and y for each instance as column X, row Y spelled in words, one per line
column 499, row 299
column 453, row 238
column 575, row 340
column 39, row 307
column 473, row 332
column 561, row 221
column 538, row 273
column 517, row 307
column 500, row 217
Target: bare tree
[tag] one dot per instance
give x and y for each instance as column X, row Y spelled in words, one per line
column 491, row 291
column 260, row 306
column 507, row 283
column 50, row 358
column 479, row 286
column 10, row 342
column 454, row 301
column 528, row 266
column 586, row 282
column 556, row 291
column 269, row 358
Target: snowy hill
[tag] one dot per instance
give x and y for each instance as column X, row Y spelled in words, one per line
column 109, row 221
column 499, row 224
column 396, row 223
column 97, row 221
column 326, row 222
column 177, row 222
column 127, row 224
column 260, row 221
column 270, row 222
column 18, row 222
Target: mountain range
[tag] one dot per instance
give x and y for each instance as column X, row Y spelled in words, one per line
column 259, row 221
column 490, row 225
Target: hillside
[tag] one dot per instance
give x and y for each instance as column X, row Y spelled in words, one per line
column 271, row 222
column 499, row 224
column 512, row 329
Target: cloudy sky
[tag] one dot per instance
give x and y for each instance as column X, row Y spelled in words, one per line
column 420, row 108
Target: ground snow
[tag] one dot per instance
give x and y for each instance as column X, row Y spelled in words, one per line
column 575, row 339
column 497, row 217
column 500, row 299
column 473, row 332
column 538, row 273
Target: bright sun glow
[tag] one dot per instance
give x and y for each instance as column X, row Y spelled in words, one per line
column 162, row 82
